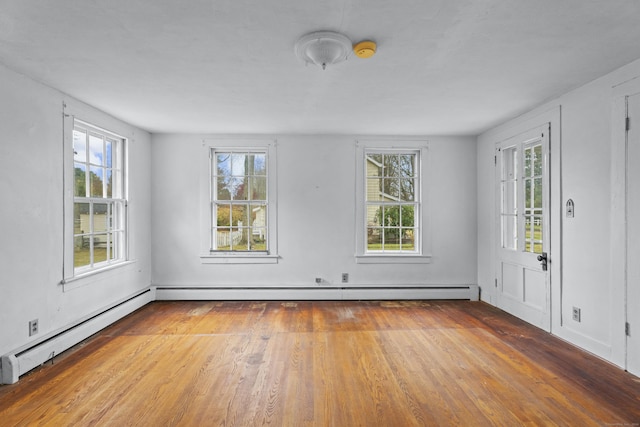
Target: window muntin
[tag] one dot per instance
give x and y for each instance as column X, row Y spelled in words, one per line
column 99, row 203
column 239, row 201
column 392, row 202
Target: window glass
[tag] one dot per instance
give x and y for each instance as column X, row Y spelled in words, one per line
column 392, row 205
column 239, row 201
column 98, row 215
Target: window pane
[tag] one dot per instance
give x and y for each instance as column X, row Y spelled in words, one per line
column 79, row 146
column 537, row 160
column 223, row 162
column 259, row 241
column 240, row 216
column 407, row 239
column 223, row 215
column 109, row 179
column 80, row 182
column 407, row 193
column 99, row 248
column 223, row 239
column 537, row 235
column 392, row 238
column 81, row 253
column 81, row 221
column 391, row 165
column 109, row 144
column 259, row 164
column 222, row 191
column 408, row 216
column 528, row 153
column 100, row 217
column 391, row 216
column 374, row 215
column 391, row 189
column 258, row 188
column 537, row 194
column 527, row 194
column 528, row 233
column 238, row 164
column 95, row 178
column 374, row 185
column 96, row 147
column 374, row 165
column 374, row 239
column 258, row 215
column 407, row 165
column 237, row 188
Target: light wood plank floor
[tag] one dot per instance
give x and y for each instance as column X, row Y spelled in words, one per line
column 341, row 364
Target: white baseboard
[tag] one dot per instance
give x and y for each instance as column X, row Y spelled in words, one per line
column 171, row 293
column 24, row 359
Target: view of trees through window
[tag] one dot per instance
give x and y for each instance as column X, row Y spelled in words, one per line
column 392, row 204
column 239, row 198
column 98, row 209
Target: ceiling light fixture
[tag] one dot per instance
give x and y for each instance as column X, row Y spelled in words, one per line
column 323, row 48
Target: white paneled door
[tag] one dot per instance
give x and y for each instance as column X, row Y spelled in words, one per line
column 522, row 205
column 633, row 235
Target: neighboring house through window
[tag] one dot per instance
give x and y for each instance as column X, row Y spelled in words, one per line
column 392, row 201
column 99, row 207
column 391, row 224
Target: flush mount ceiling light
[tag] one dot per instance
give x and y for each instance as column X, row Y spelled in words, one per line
column 323, row 48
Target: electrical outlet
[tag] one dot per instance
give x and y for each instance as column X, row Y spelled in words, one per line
column 576, row 314
column 33, row 327
column 345, row 277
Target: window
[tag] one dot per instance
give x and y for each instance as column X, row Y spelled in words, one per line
column 239, row 201
column 99, row 203
column 392, row 204
column 391, row 222
column 237, row 191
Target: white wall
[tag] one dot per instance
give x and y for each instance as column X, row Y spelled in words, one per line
column 31, row 214
column 316, row 206
column 585, row 277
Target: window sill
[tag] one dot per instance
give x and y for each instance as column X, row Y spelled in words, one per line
column 77, row 280
column 228, row 258
column 393, row 259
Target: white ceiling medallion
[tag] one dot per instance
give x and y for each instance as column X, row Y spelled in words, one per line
column 323, row 48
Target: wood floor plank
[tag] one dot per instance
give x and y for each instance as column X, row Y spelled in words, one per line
column 370, row 363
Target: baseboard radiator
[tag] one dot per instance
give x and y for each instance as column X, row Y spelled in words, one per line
column 411, row 292
column 23, row 360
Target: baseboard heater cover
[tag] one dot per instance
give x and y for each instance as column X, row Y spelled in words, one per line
column 176, row 293
column 17, row 363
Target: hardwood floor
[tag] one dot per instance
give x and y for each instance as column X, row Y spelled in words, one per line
column 346, row 364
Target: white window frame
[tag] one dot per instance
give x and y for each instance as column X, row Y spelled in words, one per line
column 421, row 254
column 208, row 254
column 88, row 119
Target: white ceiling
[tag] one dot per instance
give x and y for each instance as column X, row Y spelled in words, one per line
column 228, row 66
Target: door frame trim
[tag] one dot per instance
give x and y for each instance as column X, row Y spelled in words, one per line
column 618, row 225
